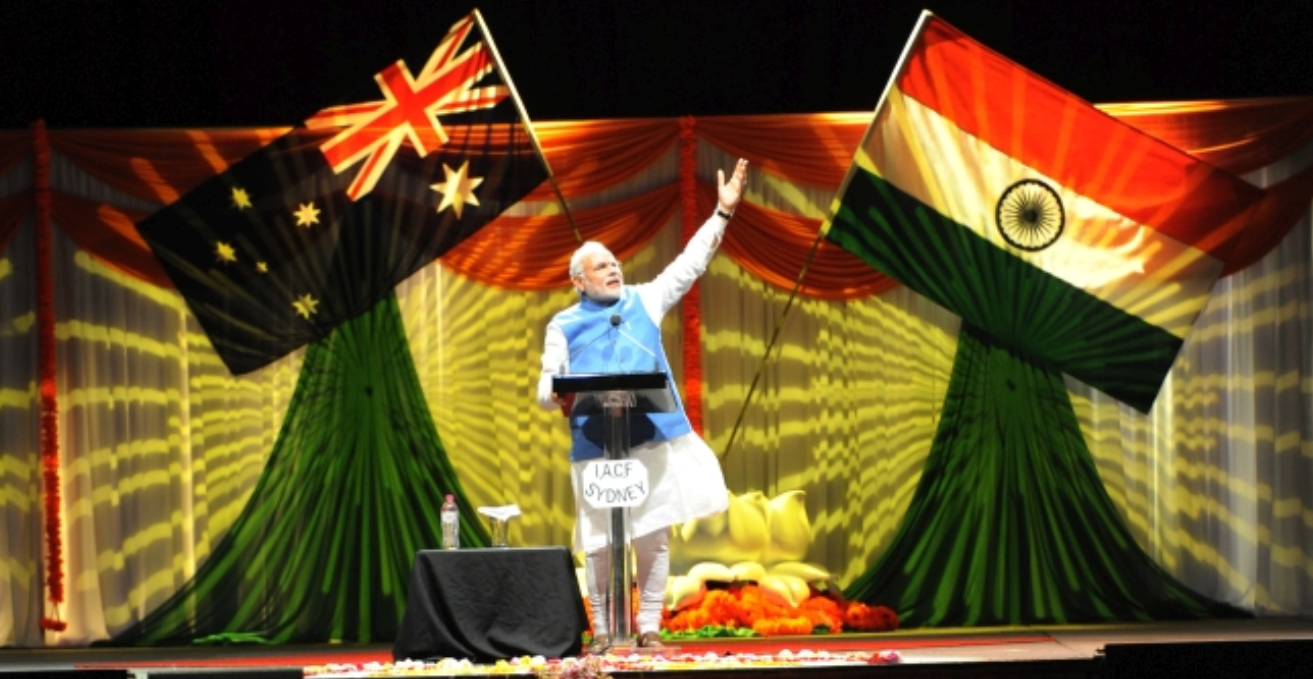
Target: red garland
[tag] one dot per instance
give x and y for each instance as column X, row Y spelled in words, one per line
column 45, row 313
column 692, row 306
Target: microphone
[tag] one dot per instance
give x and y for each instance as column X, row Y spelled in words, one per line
column 615, row 320
column 656, row 362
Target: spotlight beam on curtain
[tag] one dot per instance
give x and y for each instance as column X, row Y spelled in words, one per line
column 323, row 550
column 1011, row 523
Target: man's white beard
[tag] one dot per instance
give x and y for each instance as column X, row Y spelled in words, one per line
column 601, row 294
column 604, row 296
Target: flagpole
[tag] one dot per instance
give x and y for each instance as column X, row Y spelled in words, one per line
column 825, row 227
column 566, row 207
column 528, row 123
column 779, row 325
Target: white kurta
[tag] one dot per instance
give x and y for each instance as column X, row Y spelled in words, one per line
column 684, row 476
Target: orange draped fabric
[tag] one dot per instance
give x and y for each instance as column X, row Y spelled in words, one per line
column 774, row 246
column 1271, row 219
column 159, row 166
column 814, row 149
column 109, row 233
column 533, row 253
column 591, row 155
column 1238, row 136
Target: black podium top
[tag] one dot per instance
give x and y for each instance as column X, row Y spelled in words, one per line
column 651, row 391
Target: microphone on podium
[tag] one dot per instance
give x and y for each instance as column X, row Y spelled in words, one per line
column 568, row 406
column 615, row 323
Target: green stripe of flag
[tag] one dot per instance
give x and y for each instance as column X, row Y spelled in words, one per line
column 1035, row 313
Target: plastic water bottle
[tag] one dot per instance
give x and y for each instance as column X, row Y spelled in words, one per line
column 450, row 524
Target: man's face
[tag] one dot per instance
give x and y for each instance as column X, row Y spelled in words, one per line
column 601, row 279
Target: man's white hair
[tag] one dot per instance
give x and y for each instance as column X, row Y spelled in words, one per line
column 592, row 247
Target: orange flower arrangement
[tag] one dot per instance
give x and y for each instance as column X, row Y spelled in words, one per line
column 745, row 610
column 870, row 618
column 823, row 611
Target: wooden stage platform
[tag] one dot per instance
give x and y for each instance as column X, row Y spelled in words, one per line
column 1268, row 648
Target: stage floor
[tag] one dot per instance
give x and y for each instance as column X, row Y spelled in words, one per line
column 918, row 647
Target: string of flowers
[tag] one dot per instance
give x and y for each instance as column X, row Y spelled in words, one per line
column 692, row 304
column 45, row 312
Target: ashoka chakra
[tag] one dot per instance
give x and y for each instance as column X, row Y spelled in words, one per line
column 1030, row 215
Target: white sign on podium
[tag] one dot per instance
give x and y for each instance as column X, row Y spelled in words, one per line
column 615, row 483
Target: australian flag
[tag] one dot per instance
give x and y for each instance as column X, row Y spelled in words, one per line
column 319, row 225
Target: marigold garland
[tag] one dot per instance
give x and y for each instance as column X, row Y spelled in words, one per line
column 741, row 607
column 45, row 312
column 875, row 618
column 691, row 310
column 746, row 610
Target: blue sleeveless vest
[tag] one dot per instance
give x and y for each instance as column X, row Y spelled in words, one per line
column 597, row 346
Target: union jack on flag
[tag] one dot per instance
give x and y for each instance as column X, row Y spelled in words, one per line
column 293, row 240
column 411, row 108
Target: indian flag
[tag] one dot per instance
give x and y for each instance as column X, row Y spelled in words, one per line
column 1066, row 235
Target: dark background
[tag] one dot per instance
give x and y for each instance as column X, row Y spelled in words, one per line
column 139, row 63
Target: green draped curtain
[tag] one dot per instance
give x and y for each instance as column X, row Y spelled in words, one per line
column 1010, row 523
column 323, row 550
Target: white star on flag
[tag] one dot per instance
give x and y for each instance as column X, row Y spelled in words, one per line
column 458, row 189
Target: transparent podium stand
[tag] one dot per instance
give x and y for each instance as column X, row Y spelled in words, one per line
column 614, row 396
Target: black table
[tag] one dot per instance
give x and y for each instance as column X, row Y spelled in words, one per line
column 492, row 604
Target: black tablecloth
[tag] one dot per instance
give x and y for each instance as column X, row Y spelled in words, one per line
column 490, row 604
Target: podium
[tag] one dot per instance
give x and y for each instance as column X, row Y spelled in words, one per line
column 613, row 397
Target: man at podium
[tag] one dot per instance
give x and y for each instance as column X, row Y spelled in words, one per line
column 616, row 328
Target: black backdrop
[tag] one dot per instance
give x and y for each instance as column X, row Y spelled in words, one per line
column 149, row 63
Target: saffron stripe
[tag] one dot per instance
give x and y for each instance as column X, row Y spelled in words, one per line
column 1064, row 137
column 1134, row 267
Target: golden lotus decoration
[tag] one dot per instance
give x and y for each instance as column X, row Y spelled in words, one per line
column 757, row 540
